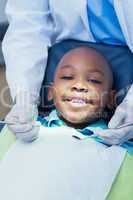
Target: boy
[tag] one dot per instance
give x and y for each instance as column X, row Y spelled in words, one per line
column 82, row 87
column 81, row 90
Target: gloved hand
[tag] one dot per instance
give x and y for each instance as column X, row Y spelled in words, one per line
column 21, row 120
column 121, row 125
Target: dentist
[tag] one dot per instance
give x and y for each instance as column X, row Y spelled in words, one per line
column 36, row 26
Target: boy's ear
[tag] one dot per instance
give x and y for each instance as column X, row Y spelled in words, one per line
column 111, row 100
column 50, row 92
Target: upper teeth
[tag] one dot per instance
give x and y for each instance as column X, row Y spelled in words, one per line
column 80, row 101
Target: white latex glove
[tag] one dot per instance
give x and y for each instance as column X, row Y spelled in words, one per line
column 21, row 120
column 121, row 125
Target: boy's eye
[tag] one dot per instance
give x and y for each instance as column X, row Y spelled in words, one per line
column 95, row 81
column 67, row 77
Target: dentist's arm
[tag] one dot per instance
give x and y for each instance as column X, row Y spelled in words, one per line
column 25, row 49
column 121, row 125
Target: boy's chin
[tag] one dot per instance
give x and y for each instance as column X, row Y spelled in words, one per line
column 80, row 119
column 78, row 122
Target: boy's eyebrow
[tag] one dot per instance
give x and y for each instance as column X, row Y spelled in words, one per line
column 68, row 66
column 92, row 71
column 96, row 71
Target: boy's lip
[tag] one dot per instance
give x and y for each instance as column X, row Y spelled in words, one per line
column 79, row 100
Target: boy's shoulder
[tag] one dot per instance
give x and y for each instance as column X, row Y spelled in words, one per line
column 50, row 120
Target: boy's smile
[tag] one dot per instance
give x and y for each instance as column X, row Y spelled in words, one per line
column 81, row 86
column 77, row 101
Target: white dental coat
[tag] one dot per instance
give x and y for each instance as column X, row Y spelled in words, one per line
column 36, row 25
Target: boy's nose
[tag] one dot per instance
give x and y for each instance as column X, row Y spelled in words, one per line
column 79, row 87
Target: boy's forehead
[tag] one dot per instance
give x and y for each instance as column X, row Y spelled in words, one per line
column 82, row 57
column 85, row 58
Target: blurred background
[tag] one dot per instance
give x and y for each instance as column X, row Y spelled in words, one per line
column 5, row 99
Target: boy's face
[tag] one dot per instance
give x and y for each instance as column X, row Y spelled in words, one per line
column 81, row 86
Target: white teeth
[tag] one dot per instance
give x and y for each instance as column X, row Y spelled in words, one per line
column 78, row 101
